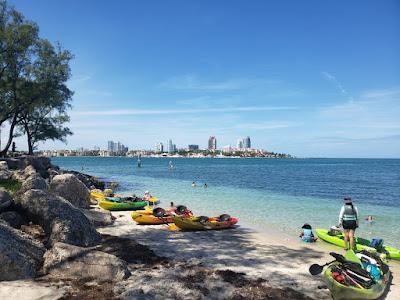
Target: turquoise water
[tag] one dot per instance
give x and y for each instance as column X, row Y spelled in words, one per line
column 264, row 193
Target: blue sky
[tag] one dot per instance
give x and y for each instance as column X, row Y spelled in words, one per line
column 310, row 78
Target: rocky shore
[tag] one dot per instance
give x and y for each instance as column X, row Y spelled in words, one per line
column 51, row 249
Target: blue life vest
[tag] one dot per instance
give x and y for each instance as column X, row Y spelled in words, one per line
column 308, row 236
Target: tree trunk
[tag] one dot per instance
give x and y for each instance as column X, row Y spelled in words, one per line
column 29, row 139
column 3, row 153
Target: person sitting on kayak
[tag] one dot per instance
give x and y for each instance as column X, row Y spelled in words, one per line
column 348, row 218
column 147, row 196
column 306, row 234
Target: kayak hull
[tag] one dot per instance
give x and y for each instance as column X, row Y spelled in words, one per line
column 111, row 205
column 343, row 292
column 192, row 223
column 361, row 243
column 147, row 218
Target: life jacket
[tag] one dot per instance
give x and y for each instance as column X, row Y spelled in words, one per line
column 349, row 213
column 308, row 235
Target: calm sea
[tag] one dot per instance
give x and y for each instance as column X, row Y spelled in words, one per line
column 273, row 193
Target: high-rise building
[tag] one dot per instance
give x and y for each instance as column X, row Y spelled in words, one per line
column 159, row 148
column 111, row 146
column 239, row 144
column 246, row 142
column 171, row 148
column 193, row 147
column 212, row 143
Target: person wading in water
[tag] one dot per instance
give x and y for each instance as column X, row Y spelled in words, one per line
column 348, row 218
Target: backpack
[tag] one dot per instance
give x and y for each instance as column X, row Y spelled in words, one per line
column 376, row 243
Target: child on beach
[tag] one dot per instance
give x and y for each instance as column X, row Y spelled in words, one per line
column 306, row 234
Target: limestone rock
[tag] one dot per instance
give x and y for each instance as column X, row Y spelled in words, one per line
column 34, row 182
column 5, row 174
column 69, row 262
column 12, row 218
column 3, row 166
column 29, row 171
column 70, row 188
column 5, row 199
column 61, row 221
column 35, row 231
column 20, row 255
column 98, row 217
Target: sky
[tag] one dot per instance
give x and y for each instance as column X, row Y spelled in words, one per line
column 309, row 78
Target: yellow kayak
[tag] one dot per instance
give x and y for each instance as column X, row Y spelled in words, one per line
column 146, row 218
column 204, row 223
column 97, row 194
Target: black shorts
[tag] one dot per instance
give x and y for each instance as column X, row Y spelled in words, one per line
column 349, row 225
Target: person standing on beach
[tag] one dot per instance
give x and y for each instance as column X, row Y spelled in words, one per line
column 194, row 184
column 348, row 218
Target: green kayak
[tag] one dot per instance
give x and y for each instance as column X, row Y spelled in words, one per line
column 118, row 205
column 361, row 243
column 340, row 291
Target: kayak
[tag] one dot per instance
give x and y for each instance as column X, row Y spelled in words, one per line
column 195, row 223
column 96, row 193
column 341, row 291
column 361, row 243
column 147, row 218
column 119, row 205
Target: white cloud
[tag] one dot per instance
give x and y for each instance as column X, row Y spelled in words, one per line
column 266, row 125
column 191, row 82
column 337, row 84
column 127, row 112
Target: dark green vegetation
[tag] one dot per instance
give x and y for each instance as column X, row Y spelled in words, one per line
column 34, row 96
column 10, row 185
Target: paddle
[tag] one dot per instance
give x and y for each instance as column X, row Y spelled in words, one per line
column 316, row 269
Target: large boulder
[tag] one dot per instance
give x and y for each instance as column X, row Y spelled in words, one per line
column 12, row 218
column 3, row 166
column 98, row 217
column 20, row 255
column 61, row 221
column 71, row 188
column 34, row 182
column 29, row 171
column 65, row 261
column 5, row 199
column 5, row 174
column 40, row 163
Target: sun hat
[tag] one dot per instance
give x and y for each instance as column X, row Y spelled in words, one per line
column 306, row 226
column 146, row 192
column 347, row 200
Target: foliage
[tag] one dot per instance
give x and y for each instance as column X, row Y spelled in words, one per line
column 33, row 75
column 11, row 185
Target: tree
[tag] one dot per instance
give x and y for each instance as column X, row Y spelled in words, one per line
column 33, row 75
column 49, row 96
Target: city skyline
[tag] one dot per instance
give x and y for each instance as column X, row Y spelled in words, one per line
column 312, row 79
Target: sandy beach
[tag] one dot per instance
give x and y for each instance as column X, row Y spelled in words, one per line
column 281, row 260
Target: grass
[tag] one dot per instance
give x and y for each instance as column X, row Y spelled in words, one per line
column 11, row 185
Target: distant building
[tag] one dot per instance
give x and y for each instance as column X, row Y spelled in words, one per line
column 159, row 148
column 212, row 143
column 193, row 147
column 171, row 148
column 246, row 142
column 111, row 146
column 116, row 148
column 239, row 144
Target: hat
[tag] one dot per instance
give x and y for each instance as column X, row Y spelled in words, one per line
column 146, row 192
column 306, row 226
column 347, row 200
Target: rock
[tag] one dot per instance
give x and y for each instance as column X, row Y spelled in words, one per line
column 52, row 173
column 35, row 231
column 3, row 166
column 40, row 163
column 28, row 289
column 18, row 175
column 70, row 188
column 98, row 217
column 5, row 199
column 88, row 180
column 34, row 182
column 14, row 163
column 29, row 171
column 65, row 261
column 5, row 174
column 12, row 218
column 61, row 221
column 20, row 256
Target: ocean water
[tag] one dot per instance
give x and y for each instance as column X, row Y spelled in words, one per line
column 281, row 194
